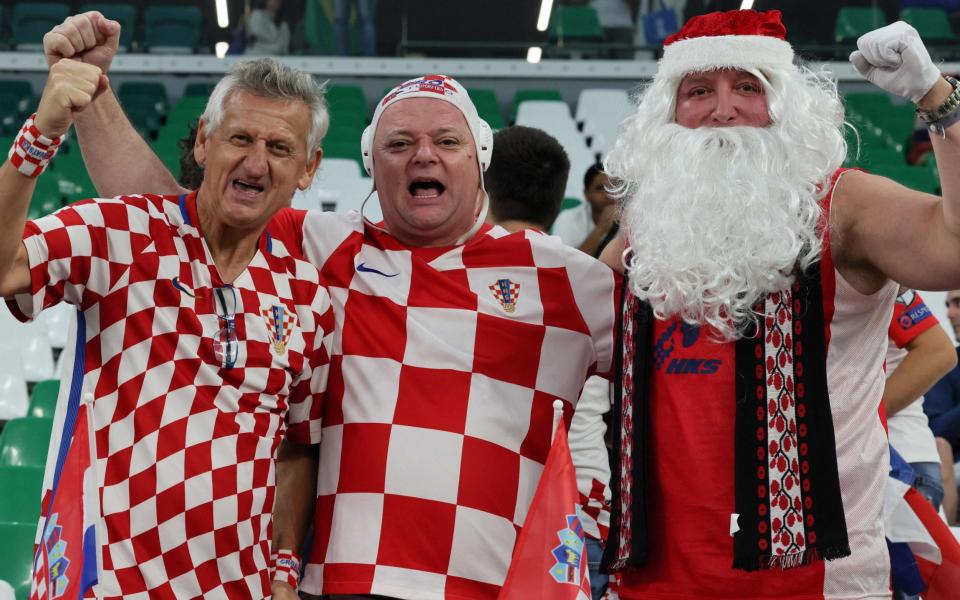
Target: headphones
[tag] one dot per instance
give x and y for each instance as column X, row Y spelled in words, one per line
column 482, row 137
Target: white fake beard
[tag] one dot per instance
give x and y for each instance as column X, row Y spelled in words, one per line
column 719, row 217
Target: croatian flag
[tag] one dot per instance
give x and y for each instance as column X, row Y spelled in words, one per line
column 550, row 557
column 924, row 554
column 65, row 561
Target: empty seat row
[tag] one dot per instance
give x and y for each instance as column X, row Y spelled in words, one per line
column 166, row 28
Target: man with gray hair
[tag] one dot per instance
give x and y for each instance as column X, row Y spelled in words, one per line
column 202, row 340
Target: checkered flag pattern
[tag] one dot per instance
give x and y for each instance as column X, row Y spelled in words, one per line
column 185, row 449
column 439, row 407
column 32, row 151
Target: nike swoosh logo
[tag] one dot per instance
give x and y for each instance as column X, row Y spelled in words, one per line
column 363, row 268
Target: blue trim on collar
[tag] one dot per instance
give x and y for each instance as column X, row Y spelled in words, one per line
column 183, row 209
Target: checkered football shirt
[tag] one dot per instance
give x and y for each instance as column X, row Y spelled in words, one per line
column 438, row 417
column 184, row 448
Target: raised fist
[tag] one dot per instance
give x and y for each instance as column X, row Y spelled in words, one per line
column 88, row 37
column 895, row 59
column 71, row 87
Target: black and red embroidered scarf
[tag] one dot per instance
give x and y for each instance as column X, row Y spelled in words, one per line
column 785, row 466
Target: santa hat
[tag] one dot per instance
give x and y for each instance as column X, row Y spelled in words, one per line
column 739, row 39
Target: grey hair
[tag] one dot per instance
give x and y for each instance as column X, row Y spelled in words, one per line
column 269, row 78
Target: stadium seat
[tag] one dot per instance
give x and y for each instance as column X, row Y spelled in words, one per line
column 931, row 23
column 199, row 89
column 914, row 177
column 71, row 175
column 29, row 21
column 854, row 21
column 574, row 22
column 17, row 566
column 549, row 115
column 43, row 399
column 16, row 103
column 524, row 95
column 46, row 197
column 33, row 342
column 58, row 320
column 343, row 147
column 172, row 29
column 14, row 401
column 150, row 95
column 20, row 500
column 487, row 107
column 125, row 14
column 601, row 111
column 347, row 100
column 23, row 442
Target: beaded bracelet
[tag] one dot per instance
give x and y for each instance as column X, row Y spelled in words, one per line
column 286, row 567
column 31, row 151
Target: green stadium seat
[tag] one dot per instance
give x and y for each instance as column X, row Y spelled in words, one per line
column 172, row 28
column 931, row 23
column 71, row 174
column 16, row 103
column 488, row 107
column 149, row 94
column 29, row 21
column 570, row 203
column 43, row 399
column 347, row 100
column 46, row 196
column 574, row 22
column 125, row 14
column 523, row 95
column 854, row 21
column 23, row 442
column 343, row 148
column 16, row 568
column 914, row 177
column 199, row 89
column 20, row 500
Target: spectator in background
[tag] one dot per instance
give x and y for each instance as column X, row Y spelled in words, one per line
column 267, row 32
column 591, row 225
column 341, row 18
column 942, row 406
column 918, row 354
column 526, row 180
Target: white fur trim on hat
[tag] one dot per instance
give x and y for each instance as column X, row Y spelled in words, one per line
column 707, row 53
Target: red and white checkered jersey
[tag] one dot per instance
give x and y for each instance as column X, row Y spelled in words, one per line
column 185, row 449
column 446, row 362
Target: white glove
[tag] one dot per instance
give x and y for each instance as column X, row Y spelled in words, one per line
column 895, row 59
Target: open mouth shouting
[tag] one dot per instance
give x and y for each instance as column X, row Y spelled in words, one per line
column 426, row 188
column 246, row 188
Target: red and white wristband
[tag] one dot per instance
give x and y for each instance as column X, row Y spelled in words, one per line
column 31, row 151
column 286, row 567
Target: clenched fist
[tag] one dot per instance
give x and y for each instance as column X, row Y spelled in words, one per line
column 89, row 37
column 71, row 87
column 895, row 59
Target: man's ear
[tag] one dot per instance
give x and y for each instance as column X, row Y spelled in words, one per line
column 199, row 150
column 312, row 165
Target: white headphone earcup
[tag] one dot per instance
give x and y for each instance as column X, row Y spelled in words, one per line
column 366, row 150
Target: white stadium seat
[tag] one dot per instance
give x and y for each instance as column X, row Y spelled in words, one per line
column 601, row 111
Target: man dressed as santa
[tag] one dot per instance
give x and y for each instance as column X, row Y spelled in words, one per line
column 750, row 457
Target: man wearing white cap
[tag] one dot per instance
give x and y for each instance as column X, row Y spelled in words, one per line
column 751, row 458
column 453, row 338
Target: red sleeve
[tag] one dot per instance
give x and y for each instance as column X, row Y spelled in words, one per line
column 911, row 317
